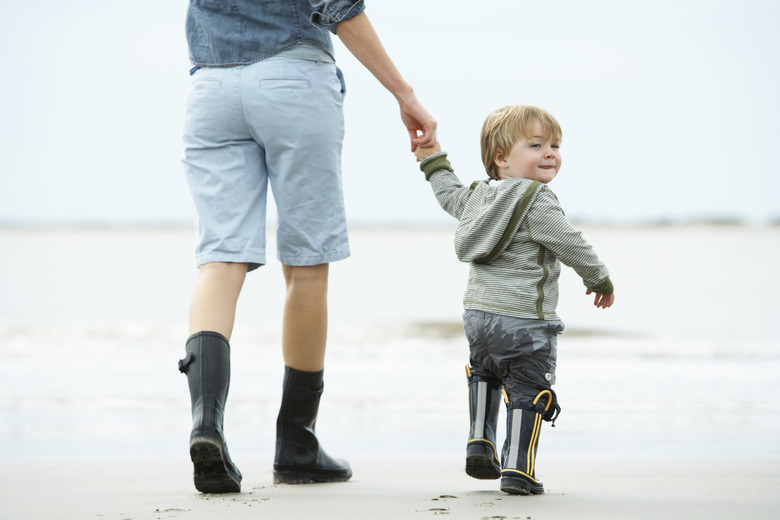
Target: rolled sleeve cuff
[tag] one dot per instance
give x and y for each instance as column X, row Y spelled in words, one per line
column 329, row 14
column 604, row 287
column 434, row 163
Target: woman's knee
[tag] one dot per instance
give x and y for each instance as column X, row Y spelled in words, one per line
column 296, row 274
column 223, row 272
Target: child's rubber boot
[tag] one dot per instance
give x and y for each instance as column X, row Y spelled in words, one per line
column 299, row 459
column 484, row 400
column 207, row 365
column 523, row 426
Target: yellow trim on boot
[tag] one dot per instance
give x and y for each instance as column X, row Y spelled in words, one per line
column 549, row 398
column 533, row 444
column 523, row 473
column 493, row 446
column 468, row 376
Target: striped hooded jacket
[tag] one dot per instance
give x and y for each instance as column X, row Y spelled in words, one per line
column 515, row 237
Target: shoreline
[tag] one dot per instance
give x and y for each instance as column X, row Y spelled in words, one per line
column 444, row 224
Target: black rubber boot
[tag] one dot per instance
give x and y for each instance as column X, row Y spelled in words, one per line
column 484, row 399
column 523, row 425
column 207, row 365
column 299, row 458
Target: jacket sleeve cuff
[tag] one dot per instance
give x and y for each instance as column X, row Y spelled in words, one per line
column 604, row 287
column 434, row 163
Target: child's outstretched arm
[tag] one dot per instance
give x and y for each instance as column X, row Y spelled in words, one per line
column 447, row 188
column 603, row 301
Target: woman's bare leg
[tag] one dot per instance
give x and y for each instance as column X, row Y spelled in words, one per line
column 214, row 299
column 305, row 327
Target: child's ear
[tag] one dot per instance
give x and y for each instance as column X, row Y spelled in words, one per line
column 499, row 159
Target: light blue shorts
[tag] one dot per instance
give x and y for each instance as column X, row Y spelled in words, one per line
column 278, row 122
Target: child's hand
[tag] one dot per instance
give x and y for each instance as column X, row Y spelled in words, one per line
column 421, row 153
column 602, row 300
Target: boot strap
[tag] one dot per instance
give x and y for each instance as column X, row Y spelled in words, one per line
column 186, row 362
column 549, row 411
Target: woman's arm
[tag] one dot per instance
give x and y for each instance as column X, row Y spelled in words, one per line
column 359, row 36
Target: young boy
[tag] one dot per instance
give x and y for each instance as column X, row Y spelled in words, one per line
column 513, row 232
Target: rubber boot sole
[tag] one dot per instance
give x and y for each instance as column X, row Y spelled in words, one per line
column 481, row 462
column 482, row 468
column 520, row 486
column 210, row 474
column 306, row 476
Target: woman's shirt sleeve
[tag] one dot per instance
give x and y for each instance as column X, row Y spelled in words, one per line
column 329, row 13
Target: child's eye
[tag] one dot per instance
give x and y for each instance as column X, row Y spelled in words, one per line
column 556, row 146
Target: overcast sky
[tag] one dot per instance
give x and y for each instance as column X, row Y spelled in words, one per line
column 669, row 108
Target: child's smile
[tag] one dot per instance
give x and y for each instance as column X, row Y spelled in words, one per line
column 539, row 159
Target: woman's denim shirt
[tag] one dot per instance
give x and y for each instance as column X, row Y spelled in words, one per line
column 224, row 33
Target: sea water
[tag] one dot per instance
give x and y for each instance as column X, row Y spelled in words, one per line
column 93, row 321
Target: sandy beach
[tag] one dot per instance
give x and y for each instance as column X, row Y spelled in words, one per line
column 398, row 486
column 670, row 399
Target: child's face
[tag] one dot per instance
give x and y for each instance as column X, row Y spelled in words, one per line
column 538, row 160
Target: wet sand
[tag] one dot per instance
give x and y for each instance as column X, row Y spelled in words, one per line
column 398, row 486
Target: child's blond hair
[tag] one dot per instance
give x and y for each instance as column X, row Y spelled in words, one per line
column 506, row 125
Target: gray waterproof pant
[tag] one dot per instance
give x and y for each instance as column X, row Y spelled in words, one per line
column 521, row 353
